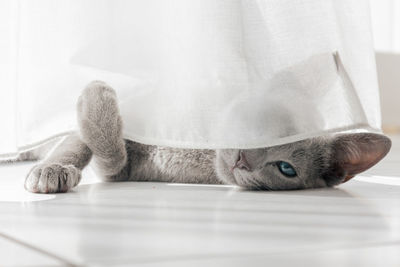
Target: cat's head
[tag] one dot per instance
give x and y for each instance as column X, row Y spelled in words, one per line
column 311, row 163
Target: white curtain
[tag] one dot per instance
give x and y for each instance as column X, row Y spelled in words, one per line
column 189, row 73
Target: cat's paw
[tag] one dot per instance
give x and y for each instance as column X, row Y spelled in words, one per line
column 52, row 178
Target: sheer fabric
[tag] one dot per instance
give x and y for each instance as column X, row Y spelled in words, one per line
column 190, row 73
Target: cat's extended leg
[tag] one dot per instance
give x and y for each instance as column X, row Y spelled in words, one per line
column 61, row 170
column 101, row 129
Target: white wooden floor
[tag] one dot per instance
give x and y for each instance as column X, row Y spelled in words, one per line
column 155, row 224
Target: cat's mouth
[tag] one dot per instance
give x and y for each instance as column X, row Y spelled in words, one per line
column 235, row 166
column 240, row 164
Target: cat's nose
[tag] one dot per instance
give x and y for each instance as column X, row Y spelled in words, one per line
column 242, row 162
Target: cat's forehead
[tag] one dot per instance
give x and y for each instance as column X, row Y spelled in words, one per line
column 298, row 152
column 297, row 149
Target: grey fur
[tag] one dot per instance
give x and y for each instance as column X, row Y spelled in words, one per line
column 319, row 162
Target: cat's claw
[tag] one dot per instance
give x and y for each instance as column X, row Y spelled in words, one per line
column 52, row 178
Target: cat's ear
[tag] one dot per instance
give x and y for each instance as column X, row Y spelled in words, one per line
column 355, row 153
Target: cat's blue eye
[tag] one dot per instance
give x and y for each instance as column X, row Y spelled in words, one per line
column 286, row 169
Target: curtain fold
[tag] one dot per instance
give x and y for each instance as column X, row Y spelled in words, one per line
column 190, row 73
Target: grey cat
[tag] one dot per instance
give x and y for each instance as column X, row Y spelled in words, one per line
column 311, row 163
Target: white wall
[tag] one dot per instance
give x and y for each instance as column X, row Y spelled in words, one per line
column 385, row 17
column 385, row 20
column 388, row 67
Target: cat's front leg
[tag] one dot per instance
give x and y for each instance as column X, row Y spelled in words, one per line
column 61, row 170
column 101, row 129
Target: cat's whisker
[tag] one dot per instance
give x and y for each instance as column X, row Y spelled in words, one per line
column 256, row 184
